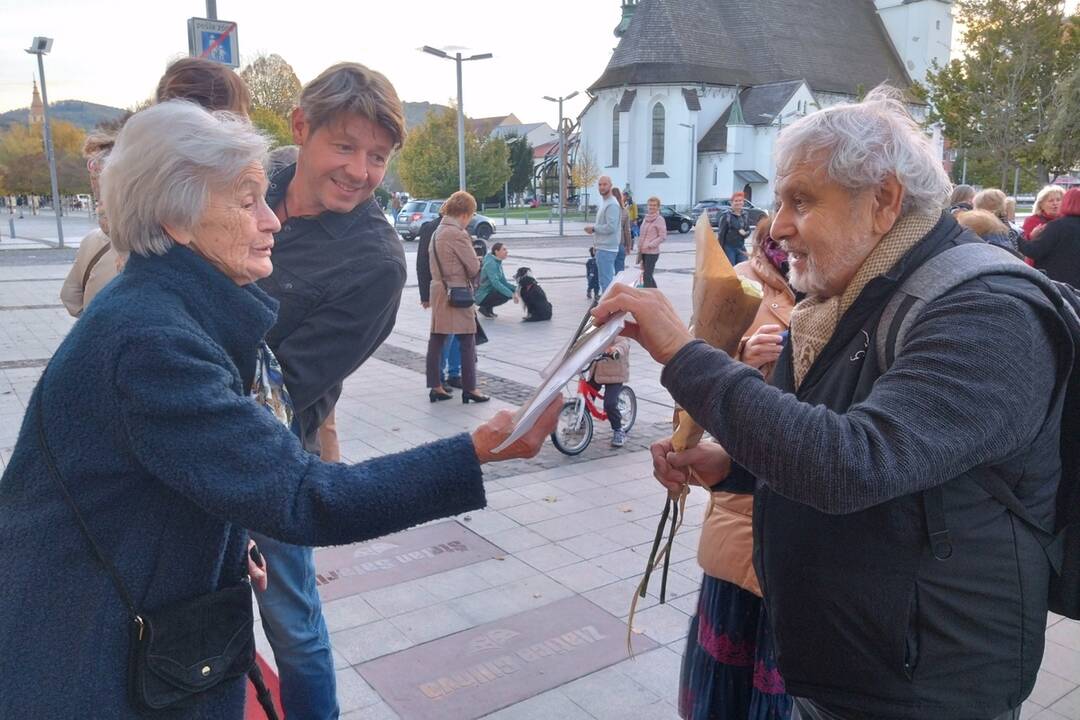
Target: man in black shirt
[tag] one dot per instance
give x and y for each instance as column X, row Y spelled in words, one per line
column 339, row 270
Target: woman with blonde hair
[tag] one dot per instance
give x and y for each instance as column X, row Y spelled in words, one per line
column 995, row 202
column 1047, row 206
column 454, row 271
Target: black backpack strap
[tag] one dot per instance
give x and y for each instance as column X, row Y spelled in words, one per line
column 1052, row 544
column 50, row 462
column 933, row 279
column 936, row 527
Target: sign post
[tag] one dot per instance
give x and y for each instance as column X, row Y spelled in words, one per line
column 214, row 40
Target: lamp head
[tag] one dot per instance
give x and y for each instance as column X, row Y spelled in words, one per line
column 40, row 46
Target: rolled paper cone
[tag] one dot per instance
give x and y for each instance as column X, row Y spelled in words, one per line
column 724, row 308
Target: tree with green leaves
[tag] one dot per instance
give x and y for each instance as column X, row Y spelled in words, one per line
column 273, row 126
column 1063, row 137
column 428, row 163
column 521, row 164
column 996, row 102
column 273, row 84
column 25, row 168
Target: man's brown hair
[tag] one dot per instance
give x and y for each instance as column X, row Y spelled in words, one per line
column 210, row 84
column 352, row 88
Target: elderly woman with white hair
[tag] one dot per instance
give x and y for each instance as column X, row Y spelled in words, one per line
column 896, row 586
column 159, row 434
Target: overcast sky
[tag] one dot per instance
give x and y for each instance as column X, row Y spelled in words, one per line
column 113, row 51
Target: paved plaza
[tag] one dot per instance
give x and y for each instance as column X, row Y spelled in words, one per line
column 516, row 611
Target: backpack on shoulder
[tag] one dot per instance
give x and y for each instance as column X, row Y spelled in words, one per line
column 936, row 277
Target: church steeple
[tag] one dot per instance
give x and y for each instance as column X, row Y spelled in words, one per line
column 628, row 8
column 37, row 110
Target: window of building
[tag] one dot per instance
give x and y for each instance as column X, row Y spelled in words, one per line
column 658, row 134
column 714, row 178
column 615, row 136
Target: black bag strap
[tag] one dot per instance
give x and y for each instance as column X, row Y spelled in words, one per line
column 1052, row 544
column 50, row 462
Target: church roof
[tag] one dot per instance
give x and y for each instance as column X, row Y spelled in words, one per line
column 758, row 105
column 836, row 45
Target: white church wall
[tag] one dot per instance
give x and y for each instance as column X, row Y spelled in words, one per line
column 921, row 31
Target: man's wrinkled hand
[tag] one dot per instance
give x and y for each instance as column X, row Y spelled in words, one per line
column 710, row 463
column 655, row 325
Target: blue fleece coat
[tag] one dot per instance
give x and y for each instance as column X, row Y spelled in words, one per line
column 169, row 461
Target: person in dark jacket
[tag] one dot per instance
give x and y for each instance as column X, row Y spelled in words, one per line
column 1057, row 247
column 592, row 276
column 169, row 439
column 734, row 230
column 339, row 270
column 869, row 617
column 962, row 198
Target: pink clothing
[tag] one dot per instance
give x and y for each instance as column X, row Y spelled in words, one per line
column 653, row 232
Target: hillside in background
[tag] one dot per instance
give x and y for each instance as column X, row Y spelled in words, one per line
column 86, row 115
column 415, row 112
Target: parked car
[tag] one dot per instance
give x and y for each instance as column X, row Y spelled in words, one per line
column 716, row 208
column 417, row 212
column 673, row 219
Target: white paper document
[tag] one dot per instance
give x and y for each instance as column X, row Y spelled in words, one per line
column 571, row 359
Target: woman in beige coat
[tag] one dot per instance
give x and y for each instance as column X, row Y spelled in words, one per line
column 96, row 262
column 453, row 265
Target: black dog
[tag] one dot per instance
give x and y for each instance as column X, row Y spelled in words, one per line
column 537, row 307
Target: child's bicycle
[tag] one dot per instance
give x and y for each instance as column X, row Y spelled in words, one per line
column 574, row 431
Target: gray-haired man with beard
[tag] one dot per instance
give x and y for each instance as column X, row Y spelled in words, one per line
column 896, row 586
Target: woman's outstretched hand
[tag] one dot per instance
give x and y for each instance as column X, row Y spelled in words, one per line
column 656, row 326
column 498, row 428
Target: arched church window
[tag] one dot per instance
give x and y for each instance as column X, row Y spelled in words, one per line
column 615, row 136
column 658, row 134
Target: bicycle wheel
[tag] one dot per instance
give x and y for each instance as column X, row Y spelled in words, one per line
column 627, row 407
column 572, row 434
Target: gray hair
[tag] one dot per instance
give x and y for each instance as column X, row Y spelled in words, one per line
column 166, row 162
column 866, row 142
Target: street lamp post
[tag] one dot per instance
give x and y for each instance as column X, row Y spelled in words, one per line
column 460, row 109
column 562, row 158
column 693, row 160
column 41, row 46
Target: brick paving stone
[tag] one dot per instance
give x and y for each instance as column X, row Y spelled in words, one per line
column 583, row 576
column 616, row 597
column 432, row 622
column 501, row 572
column 353, row 691
column 589, row 545
column 454, row 583
column 609, row 694
column 378, row 711
column 657, row 670
column 1049, row 688
column 545, row 706
column 517, row 539
column 548, row 557
column 369, row 641
column 348, row 612
column 1068, row 706
column 662, row 623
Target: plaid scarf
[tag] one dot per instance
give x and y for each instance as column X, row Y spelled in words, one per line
column 814, row 320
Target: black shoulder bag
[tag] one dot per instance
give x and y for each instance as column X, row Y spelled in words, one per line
column 459, row 297
column 178, row 652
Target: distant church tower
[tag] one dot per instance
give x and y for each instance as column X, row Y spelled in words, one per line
column 921, row 31
column 37, row 110
column 628, row 8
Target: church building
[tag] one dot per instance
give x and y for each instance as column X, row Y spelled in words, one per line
column 697, row 91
